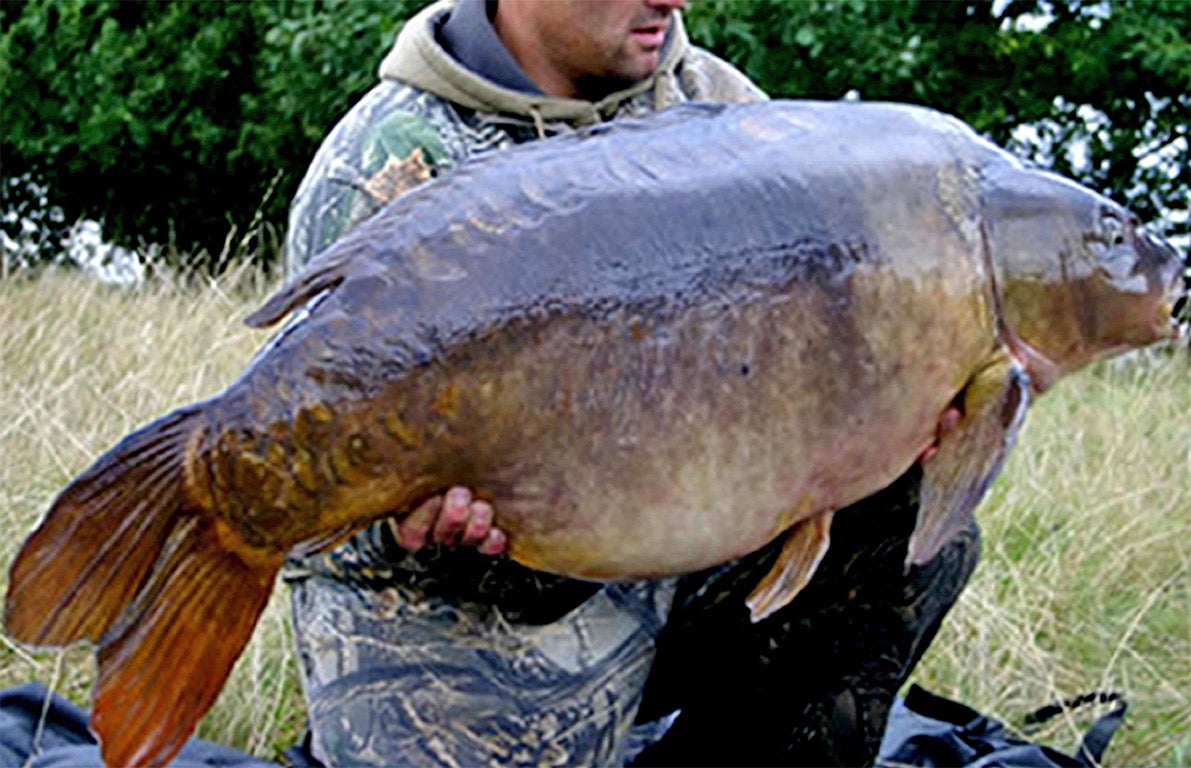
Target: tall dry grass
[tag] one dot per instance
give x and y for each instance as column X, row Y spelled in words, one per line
column 80, row 366
column 1085, row 582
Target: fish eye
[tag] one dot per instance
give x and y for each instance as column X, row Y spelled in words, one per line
column 1112, row 229
column 1107, row 236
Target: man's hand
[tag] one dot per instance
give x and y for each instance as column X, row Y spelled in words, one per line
column 454, row 519
column 948, row 421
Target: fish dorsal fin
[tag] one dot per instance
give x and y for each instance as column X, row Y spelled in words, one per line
column 806, row 544
column 311, row 284
column 971, row 456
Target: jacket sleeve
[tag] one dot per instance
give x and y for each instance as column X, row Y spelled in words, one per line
column 387, row 144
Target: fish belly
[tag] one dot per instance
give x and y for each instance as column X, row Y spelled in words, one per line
column 616, row 452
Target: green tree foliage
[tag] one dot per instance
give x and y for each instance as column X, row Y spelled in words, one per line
column 130, row 110
column 173, row 120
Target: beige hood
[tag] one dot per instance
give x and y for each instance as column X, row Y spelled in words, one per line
column 418, row 60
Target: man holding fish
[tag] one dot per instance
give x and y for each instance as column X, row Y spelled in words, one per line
column 425, row 655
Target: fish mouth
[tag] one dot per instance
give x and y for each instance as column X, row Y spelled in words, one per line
column 1178, row 299
column 1180, row 308
column 1172, row 270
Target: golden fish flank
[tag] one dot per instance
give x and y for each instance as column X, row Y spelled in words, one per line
column 446, row 401
column 638, row 394
column 303, row 470
column 408, row 437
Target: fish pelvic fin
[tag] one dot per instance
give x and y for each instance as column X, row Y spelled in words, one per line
column 163, row 667
column 970, row 458
column 86, row 561
column 806, row 544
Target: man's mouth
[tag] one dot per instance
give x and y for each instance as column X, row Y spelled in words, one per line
column 650, row 35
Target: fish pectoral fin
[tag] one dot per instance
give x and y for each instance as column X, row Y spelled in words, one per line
column 971, row 456
column 162, row 667
column 806, row 544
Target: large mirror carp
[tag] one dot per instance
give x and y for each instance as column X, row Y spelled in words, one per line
column 655, row 345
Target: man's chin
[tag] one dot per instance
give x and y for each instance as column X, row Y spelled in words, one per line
column 637, row 66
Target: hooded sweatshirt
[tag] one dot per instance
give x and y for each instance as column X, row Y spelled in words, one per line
column 449, row 90
column 420, row 59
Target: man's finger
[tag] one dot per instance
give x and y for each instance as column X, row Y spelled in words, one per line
column 411, row 530
column 949, row 421
column 452, row 519
column 479, row 523
column 494, row 544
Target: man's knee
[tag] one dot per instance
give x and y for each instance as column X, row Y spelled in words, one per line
column 393, row 675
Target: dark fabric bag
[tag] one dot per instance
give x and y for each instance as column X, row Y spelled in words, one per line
column 924, row 730
column 929, row 730
column 38, row 730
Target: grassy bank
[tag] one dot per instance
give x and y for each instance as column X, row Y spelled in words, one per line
column 1085, row 582
column 83, row 365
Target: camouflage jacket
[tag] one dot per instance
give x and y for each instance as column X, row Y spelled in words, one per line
column 444, row 656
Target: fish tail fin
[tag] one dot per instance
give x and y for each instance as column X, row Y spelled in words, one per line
column 164, row 666
column 77, row 573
